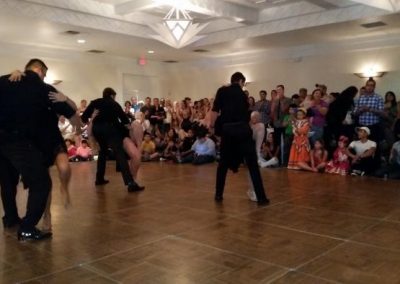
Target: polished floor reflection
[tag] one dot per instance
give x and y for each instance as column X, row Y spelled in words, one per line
column 318, row 229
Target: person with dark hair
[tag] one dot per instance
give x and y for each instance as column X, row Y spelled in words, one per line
column 369, row 110
column 339, row 119
column 389, row 119
column 263, row 106
column 147, row 109
column 29, row 143
column 319, row 109
column 231, row 108
column 109, row 129
column 279, row 108
column 362, row 153
column 252, row 104
column 296, row 100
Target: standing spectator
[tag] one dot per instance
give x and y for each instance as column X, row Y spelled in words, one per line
column 303, row 94
column 135, row 105
column 252, row 104
column 319, row 110
column 128, row 111
column 299, row 158
column 279, row 108
column 339, row 118
column 169, row 109
column 263, row 106
column 288, row 122
column 369, row 109
column 82, row 107
column 157, row 115
column 389, row 119
column 147, row 109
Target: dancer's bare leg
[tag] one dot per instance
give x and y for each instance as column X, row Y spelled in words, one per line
column 64, row 171
column 132, row 146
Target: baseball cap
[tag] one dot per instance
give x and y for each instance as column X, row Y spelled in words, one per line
column 366, row 129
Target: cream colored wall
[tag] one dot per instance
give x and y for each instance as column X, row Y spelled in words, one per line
column 334, row 70
column 84, row 76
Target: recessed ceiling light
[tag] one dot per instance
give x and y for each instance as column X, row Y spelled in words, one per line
column 81, row 41
column 150, row 52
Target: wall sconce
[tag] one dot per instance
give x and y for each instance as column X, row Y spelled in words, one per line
column 370, row 74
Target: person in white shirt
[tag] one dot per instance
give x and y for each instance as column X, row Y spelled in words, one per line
column 66, row 128
column 362, row 153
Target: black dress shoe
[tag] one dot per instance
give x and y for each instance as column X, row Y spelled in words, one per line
column 102, row 182
column 218, row 198
column 263, row 202
column 134, row 187
column 35, row 235
column 9, row 223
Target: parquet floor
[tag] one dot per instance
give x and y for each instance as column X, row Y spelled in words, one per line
column 318, row 229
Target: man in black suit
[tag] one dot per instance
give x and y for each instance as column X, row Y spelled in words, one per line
column 25, row 110
column 236, row 136
column 109, row 130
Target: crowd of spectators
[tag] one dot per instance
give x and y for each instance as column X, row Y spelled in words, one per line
column 351, row 132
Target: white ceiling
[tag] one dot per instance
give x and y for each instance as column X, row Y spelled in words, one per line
column 119, row 27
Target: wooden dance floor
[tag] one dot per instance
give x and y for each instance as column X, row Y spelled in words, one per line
column 318, row 229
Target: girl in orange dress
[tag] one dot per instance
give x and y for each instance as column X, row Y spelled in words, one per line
column 299, row 158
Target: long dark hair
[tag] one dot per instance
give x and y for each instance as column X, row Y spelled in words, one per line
column 394, row 102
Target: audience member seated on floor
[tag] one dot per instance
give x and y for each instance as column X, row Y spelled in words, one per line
column 66, row 128
column 203, row 150
column 71, row 148
column 148, row 149
column 270, row 153
column 288, row 122
column 319, row 156
column 83, row 153
column 299, row 158
column 392, row 169
column 362, row 153
column 340, row 163
column 171, row 147
column 185, row 146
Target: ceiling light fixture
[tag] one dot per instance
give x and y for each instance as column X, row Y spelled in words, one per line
column 370, row 72
column 177, row 29
column 81, row 41
column 150, row 52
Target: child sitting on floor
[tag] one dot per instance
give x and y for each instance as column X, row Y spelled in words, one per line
column 319, row 157
column 340, row 163
column 84, row 152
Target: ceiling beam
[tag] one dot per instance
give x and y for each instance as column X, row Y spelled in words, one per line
column 388, row 5
column 214, row 8
column 280, row 25
column 134, row 6
column 72, row 17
